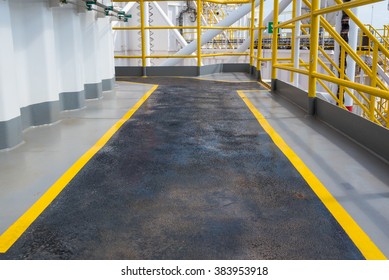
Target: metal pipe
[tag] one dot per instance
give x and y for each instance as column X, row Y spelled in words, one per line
column 199, row 36
column 246, row 44
column 275, row 41
column 296, row 49
column 252, row 33
column 260, row 25
column 208, row 35
column 313, row 49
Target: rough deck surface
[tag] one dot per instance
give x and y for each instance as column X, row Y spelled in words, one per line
column 191, row 175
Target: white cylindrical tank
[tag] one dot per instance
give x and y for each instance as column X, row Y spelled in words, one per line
column 33, row 37
column 92, row 70
column 106, row 56
column 69, row 58
column 10, row 119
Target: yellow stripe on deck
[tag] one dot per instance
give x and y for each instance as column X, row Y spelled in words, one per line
column 361, row 240
column 13, row 233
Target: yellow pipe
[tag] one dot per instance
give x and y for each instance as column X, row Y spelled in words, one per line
column 289, row 68
column 199, row 12
column 226, row 27
column 373, row 80
column 252, row 32
column 292, row 49
column 293, row 20
column 313, row 49
column 364, row 88
column 341, row 75
column 142, row 30
column 223, row 54
column 260, row 35
column 275, row 40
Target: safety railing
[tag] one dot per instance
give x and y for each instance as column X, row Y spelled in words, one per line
column 197, row 29
column 371, row 98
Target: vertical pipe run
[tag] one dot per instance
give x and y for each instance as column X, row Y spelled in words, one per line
column 252, row 39
column 274, row 42
column 373, row 81
column 292, row 45
column 296, row 49
column 313, row 52
column 199, row 12
column 147, row 31
column 341, row 76
column 142, row 34
column 260, row 34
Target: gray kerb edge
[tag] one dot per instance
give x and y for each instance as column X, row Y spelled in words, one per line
column 357, row 128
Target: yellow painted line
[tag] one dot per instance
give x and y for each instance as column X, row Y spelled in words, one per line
column 12, row 234
column 367, row 247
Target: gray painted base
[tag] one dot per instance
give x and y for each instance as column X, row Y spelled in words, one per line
column 72, row 100
column 186, row 71
column 93, row 91
column 368, row 134
column 10, row 133
column 39, row 114
column 293, row 94
column 108, row 84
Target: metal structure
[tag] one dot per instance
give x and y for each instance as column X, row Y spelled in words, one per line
column 308, row 29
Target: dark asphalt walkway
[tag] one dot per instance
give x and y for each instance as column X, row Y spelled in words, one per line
column 191, row 175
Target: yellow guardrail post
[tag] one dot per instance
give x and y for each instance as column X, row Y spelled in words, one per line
column 373, row 81
column 260, row 35
column 252, row 33
column 341, row 75
column 293, row 39
column 142, row 34
column 274, row 44
column 199, row 12
column 313, row 53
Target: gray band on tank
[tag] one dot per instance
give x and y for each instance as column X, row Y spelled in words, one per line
column 10, row 133
column 39, row 114
column 108, row 84
column 72, row 100
column 93, row 91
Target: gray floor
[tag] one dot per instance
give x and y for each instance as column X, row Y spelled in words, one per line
column 355, row 177
column 27, row 171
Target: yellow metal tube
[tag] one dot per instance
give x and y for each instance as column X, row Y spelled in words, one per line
column 364, row 88
column 292, row 49
column 341, row 75
column 252, row 32
column 223, row 54
column 373, row 80
column 260, row 34
column 313, row 50
column 275, row 41
column 199, row 12
column 142, row 30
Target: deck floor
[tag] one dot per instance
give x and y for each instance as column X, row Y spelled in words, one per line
column 192, row 175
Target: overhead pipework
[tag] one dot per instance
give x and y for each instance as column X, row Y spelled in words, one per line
column 94, row 5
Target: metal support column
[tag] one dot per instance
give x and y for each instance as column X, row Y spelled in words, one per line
column 142, row 34
column 199, row 12
column 313, row 54
column 274, row 44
